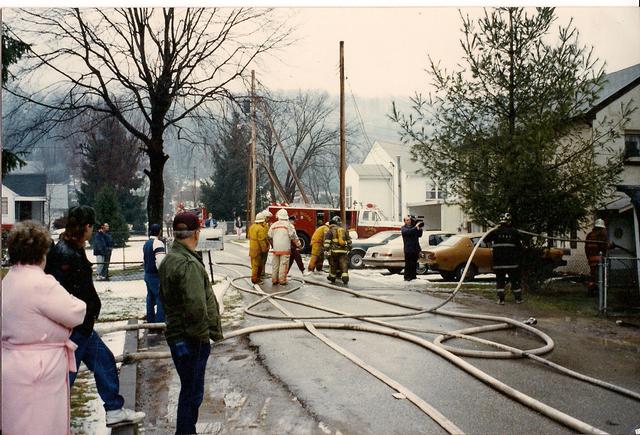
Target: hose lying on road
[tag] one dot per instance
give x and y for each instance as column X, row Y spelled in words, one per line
column 556, row 415
column 397, row 331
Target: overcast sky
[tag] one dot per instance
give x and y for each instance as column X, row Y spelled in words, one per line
column 386, row 48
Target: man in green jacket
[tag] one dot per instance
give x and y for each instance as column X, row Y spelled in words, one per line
column 192, row 317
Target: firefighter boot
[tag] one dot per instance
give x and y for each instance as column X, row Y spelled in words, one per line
column 500, row 296
column 345, row 278
column 518, row 295
column 331, row 278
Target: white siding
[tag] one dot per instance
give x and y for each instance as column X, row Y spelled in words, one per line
column 413, row 190
column 378, row 192
column 352, row 179
column 8, row 216
column 631, row 173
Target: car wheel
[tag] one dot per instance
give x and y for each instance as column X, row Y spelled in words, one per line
column 305, row 245
column 395, row 269
column 355, row 259
column 448, row 276
column 471, row 273
column 421, row 269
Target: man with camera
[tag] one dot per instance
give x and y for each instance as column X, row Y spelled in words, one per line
column 411, row 233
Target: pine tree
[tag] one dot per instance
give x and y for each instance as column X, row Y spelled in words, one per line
column 107, row 210
column 112, row 158
column 227, row 190
column 506, row 131
column 12, row 51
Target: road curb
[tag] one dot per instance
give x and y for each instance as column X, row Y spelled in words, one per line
column 129, row 380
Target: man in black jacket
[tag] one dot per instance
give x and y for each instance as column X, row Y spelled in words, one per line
column 68, row 263
column 411, row 233
column 507, row 256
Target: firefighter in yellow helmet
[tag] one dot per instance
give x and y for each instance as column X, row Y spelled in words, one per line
column 317, row 248
column 258, row 246
column 337, row 244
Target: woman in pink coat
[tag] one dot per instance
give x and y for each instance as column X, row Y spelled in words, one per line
column 37, row 317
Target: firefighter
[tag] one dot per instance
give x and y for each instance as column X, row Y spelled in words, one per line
column 281, row 234
column 317, row 248
column 267, row 218
column 507, row 256
column 258, row 246
column 337, row 244
column 595, row 247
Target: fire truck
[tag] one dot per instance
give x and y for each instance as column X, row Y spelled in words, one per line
column 361, row 222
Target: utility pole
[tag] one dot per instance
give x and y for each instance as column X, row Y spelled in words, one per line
column 251, row 191
column 343, row 211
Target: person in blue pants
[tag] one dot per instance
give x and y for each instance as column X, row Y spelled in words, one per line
column 68, row 264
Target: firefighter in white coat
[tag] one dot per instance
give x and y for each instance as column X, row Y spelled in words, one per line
column 281, row 233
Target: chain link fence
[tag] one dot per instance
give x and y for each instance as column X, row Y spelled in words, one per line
column 618, row 284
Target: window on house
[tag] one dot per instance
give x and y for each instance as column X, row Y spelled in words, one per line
column 432, row 191
column 5, row 205
column 631, row 144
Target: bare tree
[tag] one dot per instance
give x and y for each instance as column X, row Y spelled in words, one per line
column 151, row 69
column 307, row 127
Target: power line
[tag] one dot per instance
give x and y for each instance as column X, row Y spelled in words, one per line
column 368, row 140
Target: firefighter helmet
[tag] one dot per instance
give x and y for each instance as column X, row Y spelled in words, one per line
column 599, row 223
column 505, row 218
column 336, row 220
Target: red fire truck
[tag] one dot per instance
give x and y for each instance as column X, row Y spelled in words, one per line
column 362, row 222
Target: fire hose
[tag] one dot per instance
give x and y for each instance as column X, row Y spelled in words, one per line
column 385, row 328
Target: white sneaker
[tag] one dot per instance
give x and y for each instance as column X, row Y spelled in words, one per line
column 306, row 273
column 124, row 416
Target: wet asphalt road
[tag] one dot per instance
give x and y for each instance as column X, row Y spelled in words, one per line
column 291, row 382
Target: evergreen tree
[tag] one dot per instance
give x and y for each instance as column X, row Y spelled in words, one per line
column 12, row 51
column 227, row 191
column 111, row 158
column 509, row 131
column 108, row 210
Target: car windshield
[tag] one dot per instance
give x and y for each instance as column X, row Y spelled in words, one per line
column 451, row 241
column 381, row 237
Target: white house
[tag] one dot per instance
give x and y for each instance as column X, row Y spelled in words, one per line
column 618, row 210
column 23, row 197
column 391, row 180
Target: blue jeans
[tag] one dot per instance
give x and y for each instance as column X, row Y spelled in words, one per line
column 98, row 358
column 190, row 358
column 152, row 280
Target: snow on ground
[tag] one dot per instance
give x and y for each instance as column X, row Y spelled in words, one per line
column 132, row 252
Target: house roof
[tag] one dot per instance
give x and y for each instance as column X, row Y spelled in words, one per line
column 616, row 84
column 374, row 171
column 395, row 149
column 26, row 184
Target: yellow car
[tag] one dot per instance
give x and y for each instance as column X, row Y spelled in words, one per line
column 450, row 257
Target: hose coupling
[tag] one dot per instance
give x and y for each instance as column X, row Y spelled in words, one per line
column 531, row 321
